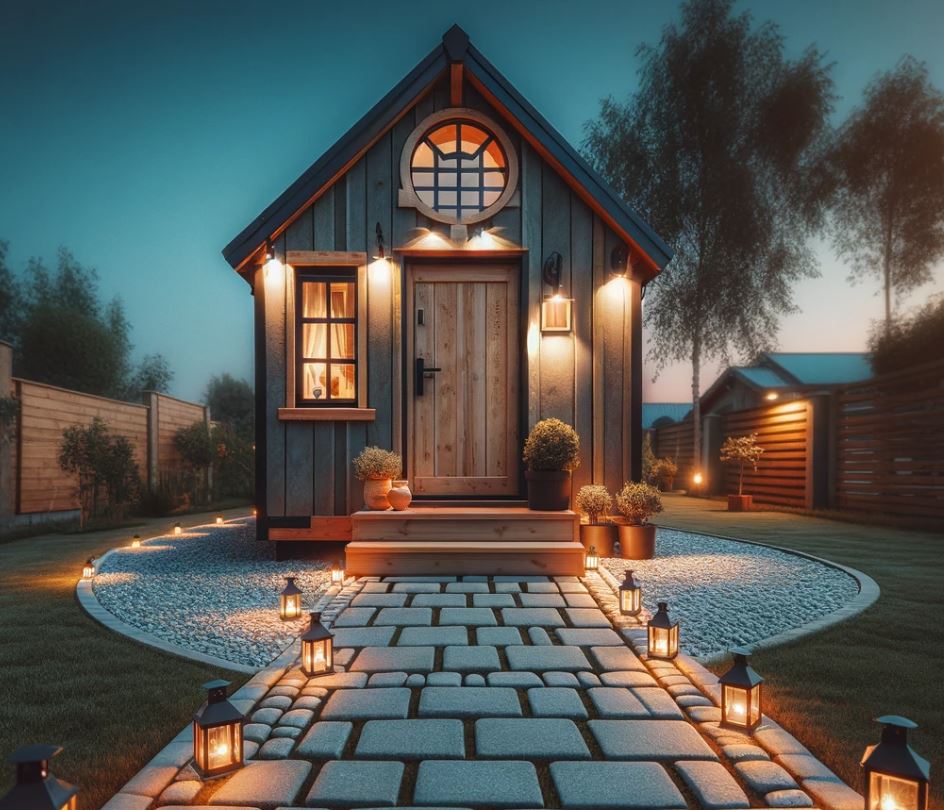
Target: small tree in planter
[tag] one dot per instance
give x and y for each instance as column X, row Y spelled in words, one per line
column 741, row 450
column 595, row 502
column 377, row 468
column 551, row 453
column 664, row 471
column 638, row 502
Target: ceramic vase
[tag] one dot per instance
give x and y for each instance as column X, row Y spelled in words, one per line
column 375, row 493
column 399, row 495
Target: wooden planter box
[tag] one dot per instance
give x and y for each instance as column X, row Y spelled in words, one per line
column 740, row 503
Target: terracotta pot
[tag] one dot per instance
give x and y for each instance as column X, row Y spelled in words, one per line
column 601, row 536
column 637, row 542
column 400, row 496
column 740, row 503
column 375, row 493
column 548, row 490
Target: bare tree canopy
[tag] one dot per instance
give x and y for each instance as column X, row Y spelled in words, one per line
column 721, row 147
column 889, row 169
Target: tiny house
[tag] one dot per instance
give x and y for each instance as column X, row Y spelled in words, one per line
column 447, row 274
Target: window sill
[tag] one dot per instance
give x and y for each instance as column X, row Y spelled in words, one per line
column 327, row 414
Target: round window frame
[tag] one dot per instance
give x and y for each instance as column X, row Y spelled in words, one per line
column 427, row 125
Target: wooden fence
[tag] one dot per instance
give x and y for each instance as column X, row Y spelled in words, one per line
column 676, row 442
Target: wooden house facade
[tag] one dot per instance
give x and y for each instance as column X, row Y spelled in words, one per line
column 447, row 274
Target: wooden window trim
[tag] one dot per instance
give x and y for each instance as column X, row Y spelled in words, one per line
column 316, row 414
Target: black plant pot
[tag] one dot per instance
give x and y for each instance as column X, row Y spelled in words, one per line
column 548, row 491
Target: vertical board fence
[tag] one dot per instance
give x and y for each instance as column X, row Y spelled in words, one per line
column 677, row 443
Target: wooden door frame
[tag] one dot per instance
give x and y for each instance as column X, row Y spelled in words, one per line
column 407, row 342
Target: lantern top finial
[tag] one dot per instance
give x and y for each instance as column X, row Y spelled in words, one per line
column 316, row 630
column 897, row 721
column 628, row 577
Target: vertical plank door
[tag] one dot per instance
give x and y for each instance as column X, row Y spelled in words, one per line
column 464, row 425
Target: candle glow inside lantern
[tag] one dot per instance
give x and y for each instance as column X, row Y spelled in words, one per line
column 741, row 691
column 217, row 733
column 88, row 570
column 337, row 574
column 591, row 560
column 663, row 634
column 896, row 778
column 35, row 787
column 317, row 648
column 177, row 529
column 630, row 595
column 290, row 601
column 219, row 520
column 136, row 541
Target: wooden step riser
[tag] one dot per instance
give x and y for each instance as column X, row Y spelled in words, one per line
column 453, row 530
column 390, row 561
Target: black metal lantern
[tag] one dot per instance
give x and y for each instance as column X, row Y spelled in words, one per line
column 36, row 788
column 591, row 559
column 663, row 634
column 290, row 601
column 741, row 691
column 896, row 778
column 88, row 570
column 630, row 595
column 337, row 573
column 317, row 648
column 217, row 733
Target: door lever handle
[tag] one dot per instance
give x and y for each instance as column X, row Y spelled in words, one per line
column 421, row 371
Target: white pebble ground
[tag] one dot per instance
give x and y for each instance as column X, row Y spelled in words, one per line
column 213, row 589
column 725, row 593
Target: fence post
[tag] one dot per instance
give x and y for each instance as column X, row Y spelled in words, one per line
column 712, row 430
column 820, row 453
column 8, row 442
column 152, row 400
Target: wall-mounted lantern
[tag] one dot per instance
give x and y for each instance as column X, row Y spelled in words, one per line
column 556, row 310
column 619, row 261
column 591, row 559
column 35, row 787
column 317, row 648
column 663, row 635
column 290, row 601
column 88, row 570
column 896, row 778
column 741, row 694
column 217, row 733
column 337, row 573
column 630, row 595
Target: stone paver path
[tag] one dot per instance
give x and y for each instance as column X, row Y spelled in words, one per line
column 483, row 692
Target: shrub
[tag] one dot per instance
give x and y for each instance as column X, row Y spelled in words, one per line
column 594, row 501
column 664, row 471
column 910, row 341
column 741, row 450
column 377, row 463
column 233, row 463
column 552, row 445
column 648, row 458
column 638, row 501
column 196, row 448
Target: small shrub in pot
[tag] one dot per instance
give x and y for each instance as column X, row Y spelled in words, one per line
column 741, row 450
column 551, row 454
column 377, row 468
column 594, row 501
column 638, row 502
column 664, row 471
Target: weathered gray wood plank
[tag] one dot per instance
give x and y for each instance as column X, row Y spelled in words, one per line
column 324, row 222
column 531, row 229
column 275, row 388
column 298, row 468
column 323, row 472
column 581, row 225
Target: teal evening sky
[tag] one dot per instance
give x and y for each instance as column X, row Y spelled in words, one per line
column 144, row 136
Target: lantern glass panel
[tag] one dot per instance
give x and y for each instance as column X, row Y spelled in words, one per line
column 316, row 657
column 291, row 606
column 742, row 706
column 892, row 793
column 337, row 575
column 663, row 641
column 630, row 601
column 592, row 561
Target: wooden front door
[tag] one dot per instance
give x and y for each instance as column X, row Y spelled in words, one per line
column 464, row 422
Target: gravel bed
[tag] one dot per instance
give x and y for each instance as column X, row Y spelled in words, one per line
column 213, row 589
column 725, row 593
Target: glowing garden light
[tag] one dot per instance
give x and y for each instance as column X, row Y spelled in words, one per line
column 591, row 560
column 290, row 601
column 741, row 693
column 217, row 733
column 88, row 570
column 219, row 520
column 35, row 787
column 178, row 530
column 317, row 648
column 663, row 635
column 136, row 541
column 337, row 573
column 896, row 778
column 630, row 595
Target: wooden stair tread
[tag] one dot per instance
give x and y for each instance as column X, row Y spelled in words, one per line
column 457, row 546
column 465, row 512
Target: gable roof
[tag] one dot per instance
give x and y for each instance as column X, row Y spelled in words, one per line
column 827, row 368
column 664, row 413
column 546, row 140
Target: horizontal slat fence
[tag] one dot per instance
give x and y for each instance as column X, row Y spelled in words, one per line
column 172, row 415
column 677, row 442
column 890, row 444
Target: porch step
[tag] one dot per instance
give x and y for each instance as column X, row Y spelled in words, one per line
column 451, row 524
column 469, row 503
column 387, row 558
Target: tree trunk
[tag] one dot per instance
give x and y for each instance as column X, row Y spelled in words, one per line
column 741, row 480
column 696, row 407
column 888, row 294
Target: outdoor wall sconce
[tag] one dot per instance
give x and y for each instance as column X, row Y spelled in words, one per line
column 896, row 778
column 290, row 601
column 317, row 648
column 136, row 541
column 771, row 396
column 255, row 512
column 337, row 573
column 741, row 688
column 630, row 595
column 219, row 520
column 35, row 787
column 88, row 570
column 556, row 311
column 272, row 267
column 380, row 253
column 591, row 560
column 619, row 261
column 177, row 530
column 663, row 635
column 217, row 733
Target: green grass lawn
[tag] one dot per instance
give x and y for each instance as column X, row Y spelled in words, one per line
column 110, row 702
column 827, row 688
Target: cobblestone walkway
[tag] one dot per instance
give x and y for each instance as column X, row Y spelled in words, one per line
column 497, row 693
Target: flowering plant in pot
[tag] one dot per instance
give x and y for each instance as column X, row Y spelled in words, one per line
column 638, row 502
column 551, row 453
column 741, row 450
column 377, row 468
column 594, row 501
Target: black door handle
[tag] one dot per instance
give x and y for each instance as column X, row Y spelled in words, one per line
column 421, row 371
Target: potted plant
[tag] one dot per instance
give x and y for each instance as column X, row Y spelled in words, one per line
column 595, row 502
column 741, row 450
column 551, row 455
column 377, row 468
column 664, row 471
column 638, row 502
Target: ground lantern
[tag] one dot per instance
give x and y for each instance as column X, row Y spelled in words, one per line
column 630, row 595
column 290, row 601
column 317, row 648
column 337, row 573
column 35, row 787
column 88, row 570
column 896, row 778
column 219, row 520
column 177, row 529
column 136, row 541
column 741, row 688
column 217, row 733
column 592, row 560
column 663, row 634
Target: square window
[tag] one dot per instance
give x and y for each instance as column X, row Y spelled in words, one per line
column 314, row 341
column 342, row 381
column 315, row 381
column 342, row 299
column 313, row 299
column 447, row 180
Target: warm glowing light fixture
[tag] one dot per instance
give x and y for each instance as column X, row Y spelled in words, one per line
column 136, row 541
column 177, row 529
column 556, row 311
column 380, row 253
column 741, row 693
column 35, row 787
column 698, row 479
column 317, row 648
column 663, row 635
column 771, row 396
column 88, row 570
column 591, row 559
column 896, row 778
column 273, row 267
column 337, row 573
column 630, row 595
column 290, row 601
column 255, row 512
column 217, row 733
column 219, row 520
